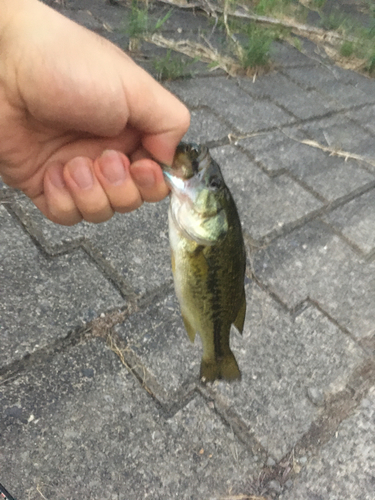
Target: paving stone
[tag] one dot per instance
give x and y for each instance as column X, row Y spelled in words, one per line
column 314, row 262
column 325, row 80
column 42, row 298
column 205, row 127
column 329, row 176
column 280, row 358
column 164, row 357
column 244, row 113
column 313, row 52
column 357, row 80
column 365, row 116
column 266, row 205
column 133, row 245
column 340, row 133
column 314, row 76
column 285, row 55
column 344, row 468
column 137, row 245
column 80, row 425
column 302, row 103
column 307, row 350
column 356, row 221
column 54, row 238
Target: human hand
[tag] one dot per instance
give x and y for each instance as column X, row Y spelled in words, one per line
column 79, row 120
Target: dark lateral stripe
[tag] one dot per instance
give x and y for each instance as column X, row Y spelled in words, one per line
column 215, row 292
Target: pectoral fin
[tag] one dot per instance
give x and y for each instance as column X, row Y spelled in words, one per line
column 190, row 330
column 240, row 319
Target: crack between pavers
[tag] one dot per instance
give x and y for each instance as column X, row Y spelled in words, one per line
column 230, row 418
column 322, row 92
column 131, row 361
column 37, row 358
column 337, row 408
column 121, row 284
column 301, row 306
column 366, row 257
column 286, row 228
column 78, row 335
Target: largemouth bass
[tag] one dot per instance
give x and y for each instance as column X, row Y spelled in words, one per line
column 208, row 257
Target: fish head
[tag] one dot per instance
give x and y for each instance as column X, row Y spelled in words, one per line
column 199, row 194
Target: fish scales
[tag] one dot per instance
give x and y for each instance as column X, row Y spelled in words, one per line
column 208, row 257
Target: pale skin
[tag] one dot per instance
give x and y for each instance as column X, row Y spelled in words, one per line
column 79, row 120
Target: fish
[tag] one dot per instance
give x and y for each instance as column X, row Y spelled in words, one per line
column 208, row 257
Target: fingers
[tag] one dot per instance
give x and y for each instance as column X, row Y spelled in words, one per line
column 94, row 190
column 56, row 202
column 112, row 171
column 149, row 179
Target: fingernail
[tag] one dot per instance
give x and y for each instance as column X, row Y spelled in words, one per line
column 112, row 167
column 81, row 173
column 143, row 177
column 55, row 175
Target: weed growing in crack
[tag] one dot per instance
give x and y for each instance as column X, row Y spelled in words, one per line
column 172, row 67
column 139, row 24
column 256, row 48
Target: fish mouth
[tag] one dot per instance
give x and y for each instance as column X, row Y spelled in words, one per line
column 189, row 160
column 186, row 189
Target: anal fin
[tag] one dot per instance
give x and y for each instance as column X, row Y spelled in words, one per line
column 240, row 319
column 190, row 330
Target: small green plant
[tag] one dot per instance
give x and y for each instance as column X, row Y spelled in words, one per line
column 172, row 67
column 267, row 6
column 139, row 23
column 370, row 65
column 335, row 21
column 317, row 4
column 256, row 49
column 347, row 48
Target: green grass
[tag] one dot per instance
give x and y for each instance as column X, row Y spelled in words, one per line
column 139, row 22
column 265, row 7
column 317, row 4
column 335, row 21
column 172, row 67
column 256, row 48
column 249, row 44
column 347, row 48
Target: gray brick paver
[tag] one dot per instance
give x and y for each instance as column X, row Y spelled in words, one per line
column 313, row 262
column 81, row 425
column 356, row 221
column 122, row 242
column 42, row 299
column 344, row 468
column 301, row 103
column 245, row 113
column 329, row 176
column 265, row 204
column 272, row 398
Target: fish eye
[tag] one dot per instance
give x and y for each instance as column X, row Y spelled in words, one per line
column 215, row 183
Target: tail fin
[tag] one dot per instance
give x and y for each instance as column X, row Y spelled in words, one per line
column 224, row 368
